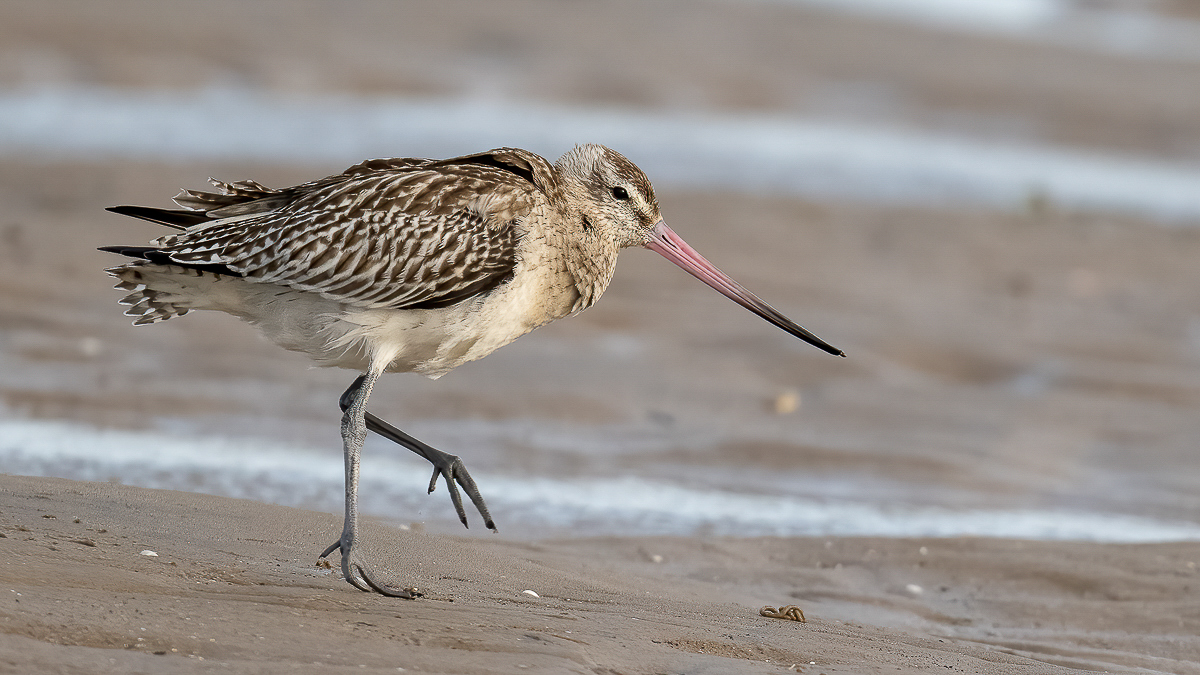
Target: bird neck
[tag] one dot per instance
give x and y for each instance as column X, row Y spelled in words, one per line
column 590, row 262
column 574, row 263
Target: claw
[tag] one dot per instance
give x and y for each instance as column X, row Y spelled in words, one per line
column 384, row 589
column 358, row 577
column 457, row 500
column 477, row 500
column 355, row 579
column 335, row 546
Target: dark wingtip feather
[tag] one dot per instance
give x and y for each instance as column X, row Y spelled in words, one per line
column 161, row 257
column 179, row 219
column 130, row 251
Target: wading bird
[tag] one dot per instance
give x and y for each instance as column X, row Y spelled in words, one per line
column 409, row 265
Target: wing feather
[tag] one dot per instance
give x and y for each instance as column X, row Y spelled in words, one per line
column 401, row 233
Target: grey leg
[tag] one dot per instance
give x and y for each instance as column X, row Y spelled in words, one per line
column 445, row 465
column 354, row 433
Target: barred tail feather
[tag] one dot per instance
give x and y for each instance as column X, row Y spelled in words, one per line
column 157, row 292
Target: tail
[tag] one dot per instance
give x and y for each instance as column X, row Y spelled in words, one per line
column 157, row 292
column 160, row 287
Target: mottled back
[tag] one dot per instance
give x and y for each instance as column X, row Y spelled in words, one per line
column 401, row 234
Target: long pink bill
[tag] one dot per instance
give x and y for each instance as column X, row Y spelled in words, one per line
column 670, row 246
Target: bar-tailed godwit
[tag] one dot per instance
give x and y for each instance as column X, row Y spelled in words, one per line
column 409, row 265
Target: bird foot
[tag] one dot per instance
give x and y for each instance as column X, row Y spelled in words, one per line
column 446, row 465
column 357, row 575
column 451, row 468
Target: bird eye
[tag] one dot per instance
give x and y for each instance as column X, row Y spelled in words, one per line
column 620, row 193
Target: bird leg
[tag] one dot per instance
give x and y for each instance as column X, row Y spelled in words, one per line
column 445, row 465
column 354, row 433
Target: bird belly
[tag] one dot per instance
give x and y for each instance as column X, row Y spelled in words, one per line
column 433, row 342
column 295, row 320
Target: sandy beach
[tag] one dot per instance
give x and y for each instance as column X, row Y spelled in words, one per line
column 234, row 587
column 1014, row 367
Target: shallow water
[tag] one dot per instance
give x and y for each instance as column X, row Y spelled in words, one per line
column 748, row 152
column 310, row 477
column 1130, row 29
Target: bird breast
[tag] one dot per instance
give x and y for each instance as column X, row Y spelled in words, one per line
column 555, row 277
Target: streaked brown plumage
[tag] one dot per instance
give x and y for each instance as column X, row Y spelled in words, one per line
column 409, row 265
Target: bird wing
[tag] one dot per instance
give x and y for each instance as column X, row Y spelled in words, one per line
column 387, row 233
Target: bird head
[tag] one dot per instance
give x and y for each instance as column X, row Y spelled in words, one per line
column 617, row 202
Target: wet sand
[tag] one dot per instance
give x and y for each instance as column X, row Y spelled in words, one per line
column 234, row 588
